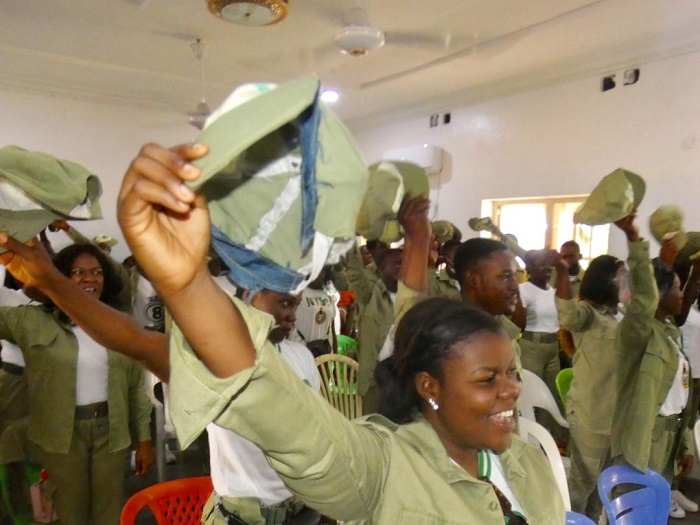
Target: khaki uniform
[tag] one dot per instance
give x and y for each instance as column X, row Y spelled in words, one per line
column 647, row 365
column 92, row 480
column 369, row 471
column 590, row 402
column 376, row 319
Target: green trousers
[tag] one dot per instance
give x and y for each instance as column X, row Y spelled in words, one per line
column 89, row 479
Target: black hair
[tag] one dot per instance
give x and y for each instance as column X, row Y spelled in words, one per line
column 471, row 252
column 531, row 256
column 112, row 283
column 663, row 275
column 571, row 244
column 452, row 243
column 597, row 283
column 425, row 337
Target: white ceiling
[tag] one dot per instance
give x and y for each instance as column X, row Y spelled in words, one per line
column 137, row 52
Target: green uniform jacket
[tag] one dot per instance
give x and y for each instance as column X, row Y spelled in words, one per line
column 647, row 365
column 376, row 318
column 368, row 471
column 51, row 352
column 593, row 389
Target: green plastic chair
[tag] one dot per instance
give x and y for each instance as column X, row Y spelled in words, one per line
column 563, row 382
column 346, row 343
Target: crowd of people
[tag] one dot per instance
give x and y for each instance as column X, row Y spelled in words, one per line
column 444, row 328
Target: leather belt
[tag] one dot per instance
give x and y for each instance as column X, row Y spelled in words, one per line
column 541, row 337
column 13, row 369
column 92, row 411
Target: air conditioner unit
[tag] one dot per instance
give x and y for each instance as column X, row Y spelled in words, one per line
column 426, row 156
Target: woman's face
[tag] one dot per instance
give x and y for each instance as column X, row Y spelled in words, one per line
column 477, row 395
column 672, row 301
column 88, row 274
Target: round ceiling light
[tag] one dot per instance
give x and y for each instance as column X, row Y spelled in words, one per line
column 250, row 12
column 358, row 40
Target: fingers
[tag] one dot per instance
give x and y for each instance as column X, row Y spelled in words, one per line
column 13, row 245
column 158, row 175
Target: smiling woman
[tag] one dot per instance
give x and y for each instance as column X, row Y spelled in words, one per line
column 84, row 398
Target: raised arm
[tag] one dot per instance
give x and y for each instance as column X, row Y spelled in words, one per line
column 31, row 264
column 166, row 224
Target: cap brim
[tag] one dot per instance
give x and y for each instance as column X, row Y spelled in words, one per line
column 25, row 225
column 244, row 125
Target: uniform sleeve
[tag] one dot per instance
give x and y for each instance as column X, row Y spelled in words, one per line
column 635, row 327
column 359, row 279
column 139, row 405
column 574, row 315
column 333, row 465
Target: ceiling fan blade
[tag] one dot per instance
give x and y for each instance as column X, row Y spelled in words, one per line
column 417, row 40
column 141, row 4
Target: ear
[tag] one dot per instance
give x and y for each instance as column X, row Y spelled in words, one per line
column 471, row 279
column 427, row 386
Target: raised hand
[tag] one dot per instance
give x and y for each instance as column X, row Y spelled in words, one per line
column 629, row 227
column 165, row 223
column 413, row 217
column 29, row 263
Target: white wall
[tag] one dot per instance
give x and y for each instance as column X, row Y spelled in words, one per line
column 562, row 139
column 558, row 140
column 103, row 138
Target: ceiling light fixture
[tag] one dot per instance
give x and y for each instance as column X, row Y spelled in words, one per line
column 250, row 12
column 358, row 40
column 330, row 96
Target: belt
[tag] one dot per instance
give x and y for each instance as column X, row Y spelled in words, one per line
column 670, row 423
column 541, row 337
column 13, row 369
column 92, row 411
column 231, row 508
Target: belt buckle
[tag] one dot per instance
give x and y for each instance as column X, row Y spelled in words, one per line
column 95, row 412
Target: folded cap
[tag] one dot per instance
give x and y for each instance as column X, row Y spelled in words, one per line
column 103, row 238
column 445, row 231
column 616, row 196
column 691, row 250
column 389, row 182
column 667, row 223
column 37, row 188
column 284, row 180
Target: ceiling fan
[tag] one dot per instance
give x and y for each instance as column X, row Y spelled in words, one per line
column 201, row 112
column 358, row 37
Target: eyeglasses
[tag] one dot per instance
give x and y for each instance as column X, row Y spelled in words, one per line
column 80, row 273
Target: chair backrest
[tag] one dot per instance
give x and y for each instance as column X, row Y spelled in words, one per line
column 563, row 381
column 534, row 433
column 180, row 501
column 339, row 383
column 648, row 504
column 574, row 518
column 535, row 393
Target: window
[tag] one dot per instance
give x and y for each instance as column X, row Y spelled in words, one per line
column 548, row 223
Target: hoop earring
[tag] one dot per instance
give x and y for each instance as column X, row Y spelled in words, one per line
column 433, row 404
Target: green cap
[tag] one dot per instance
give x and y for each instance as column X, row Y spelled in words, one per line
column 667, row 223
column 691, row 250
column 389, row 182
column 251, row 175
column 37, row 188
column 445, row 231
column 616, row 196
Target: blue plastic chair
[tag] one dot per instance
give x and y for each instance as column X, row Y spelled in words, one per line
column 574, row 518
column 646, row 504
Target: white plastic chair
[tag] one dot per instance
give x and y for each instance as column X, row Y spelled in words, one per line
column 534, row 433
column 535, row 393
column 696, row 436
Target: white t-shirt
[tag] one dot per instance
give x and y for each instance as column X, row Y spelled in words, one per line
column 148, row 309
column 238, row 467
column 315, row 317
column 11, row 353
column 677, row 397
column 541, row 308
column 91, row 385
column 691, row 341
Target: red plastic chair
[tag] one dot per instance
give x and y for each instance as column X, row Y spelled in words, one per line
column 180, row 501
